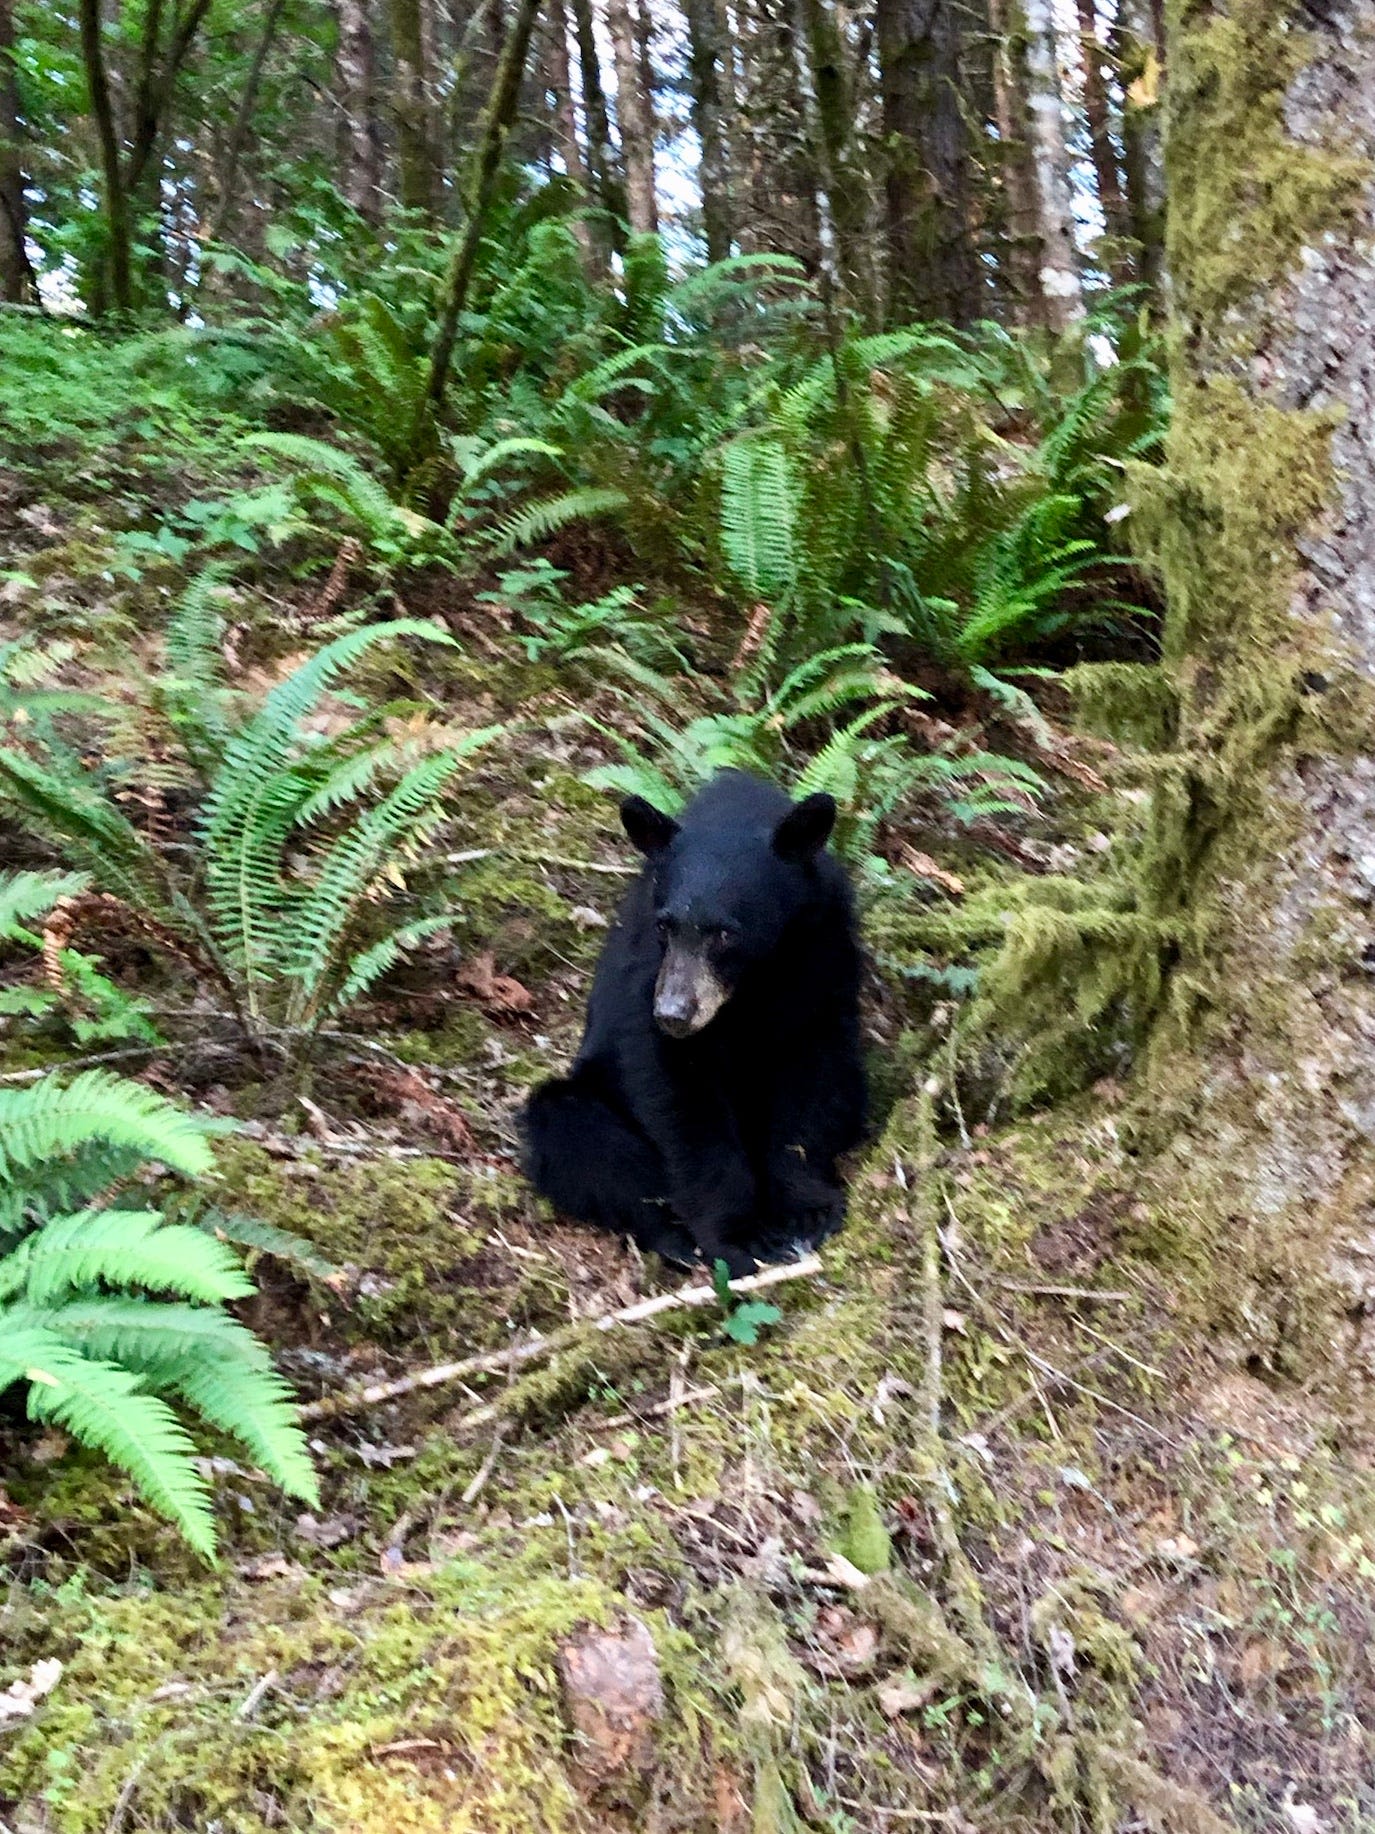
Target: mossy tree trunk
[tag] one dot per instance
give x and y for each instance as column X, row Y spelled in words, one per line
column 1259, row 1073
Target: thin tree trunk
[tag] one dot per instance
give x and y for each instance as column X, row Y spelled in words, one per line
column 934, row 271
column 708, row 118
column 1139, row 73
column 157, row 86
column 1061, row 286
column 356, row 69
column 243, row 119
column 117, row 230
column 410, row 103
column 496, row 128
column 601, row 154
column 1116, row 226
column 559, row 75
column 831, row 88
column 1020, row 257
column 16, row 276
column 635, row 117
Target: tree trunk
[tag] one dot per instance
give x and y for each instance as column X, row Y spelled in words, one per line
column 410, row 102
column 1139, row 72
column 1020, row 255
column 831, row 88
column 16, row 276
column 356, row 70
column 117, row 230
column 933, row 271
column 243, row 120
column 496, row 128
column 635, row 117
column 1061, row 288
column 1116, row 227
column 1239, row 932
column 704, row 78
column 601, row 154
column 559, row 75
column 1268, row 543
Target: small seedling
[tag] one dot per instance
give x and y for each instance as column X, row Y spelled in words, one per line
column 744, row 1318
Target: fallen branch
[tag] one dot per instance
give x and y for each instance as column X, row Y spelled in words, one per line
column 516, row 1356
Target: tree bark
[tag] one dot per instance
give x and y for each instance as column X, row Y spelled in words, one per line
column 1253, row 1118
column 1116, row 226
column 708, row 118
column 601, row 153
column 832, row 86
column 635, row 117
column 1020, row 254
column 356, row 72
column 117, row 229
column 559, row 75
column 1061, row 286
column 932, row 263
column 16, row 276
column 410, row 104
column 1139, row 72
column 1269, row 545
column 243, row 119
column 496, row 128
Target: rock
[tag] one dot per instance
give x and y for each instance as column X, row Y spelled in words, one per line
column 614, row 1698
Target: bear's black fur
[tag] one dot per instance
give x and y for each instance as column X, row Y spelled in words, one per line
column 720, row 1074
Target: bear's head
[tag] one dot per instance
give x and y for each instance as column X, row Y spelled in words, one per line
column 724, row 892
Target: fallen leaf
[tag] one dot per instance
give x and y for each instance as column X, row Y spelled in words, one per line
column 614, row 1697
column 924, row 867
column 22, row 1696
column 499, row 993
column 904, row 1694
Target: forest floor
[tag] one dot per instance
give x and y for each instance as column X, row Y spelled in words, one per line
column 995, row 1528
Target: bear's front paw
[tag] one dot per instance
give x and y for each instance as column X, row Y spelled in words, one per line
column 801, row 1221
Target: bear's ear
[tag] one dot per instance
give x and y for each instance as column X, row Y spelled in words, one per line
column 649, row 828
column 805, row 829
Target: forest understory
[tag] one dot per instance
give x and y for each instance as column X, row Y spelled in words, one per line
column 1023, row 1510
column 395, row 471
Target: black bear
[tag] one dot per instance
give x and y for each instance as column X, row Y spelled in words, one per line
column 720, row 1074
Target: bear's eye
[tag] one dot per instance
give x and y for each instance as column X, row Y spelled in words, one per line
column 722, row 935
column 664, row 928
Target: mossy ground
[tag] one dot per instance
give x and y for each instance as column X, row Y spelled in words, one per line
column 1162, row 1541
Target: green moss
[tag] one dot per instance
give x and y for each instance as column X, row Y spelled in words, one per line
column 1244, row 197
column 1130, row 961
column 416, row 1234
column 1131, row 703
column 425, row 1703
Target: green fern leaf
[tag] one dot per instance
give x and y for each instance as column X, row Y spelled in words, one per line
column 52, row 1119
column 121, row 1248
column 537, row 521
column 104, row 1407
column 26, row 895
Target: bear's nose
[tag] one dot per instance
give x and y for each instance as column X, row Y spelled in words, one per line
column 674, row 1017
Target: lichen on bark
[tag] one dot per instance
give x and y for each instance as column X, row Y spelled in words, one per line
column 1239, row 906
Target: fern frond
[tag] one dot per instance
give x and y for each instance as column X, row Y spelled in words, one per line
column 86, row 825
column 537, row 521
column 121, row 1248
column 52, row 1119
column 260, row 1237
column 369, row 965
column 210, row 1360
column 317, row 462
column 105, row 1407
column 350, row 864
column 759, row 498
column 25, row 895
